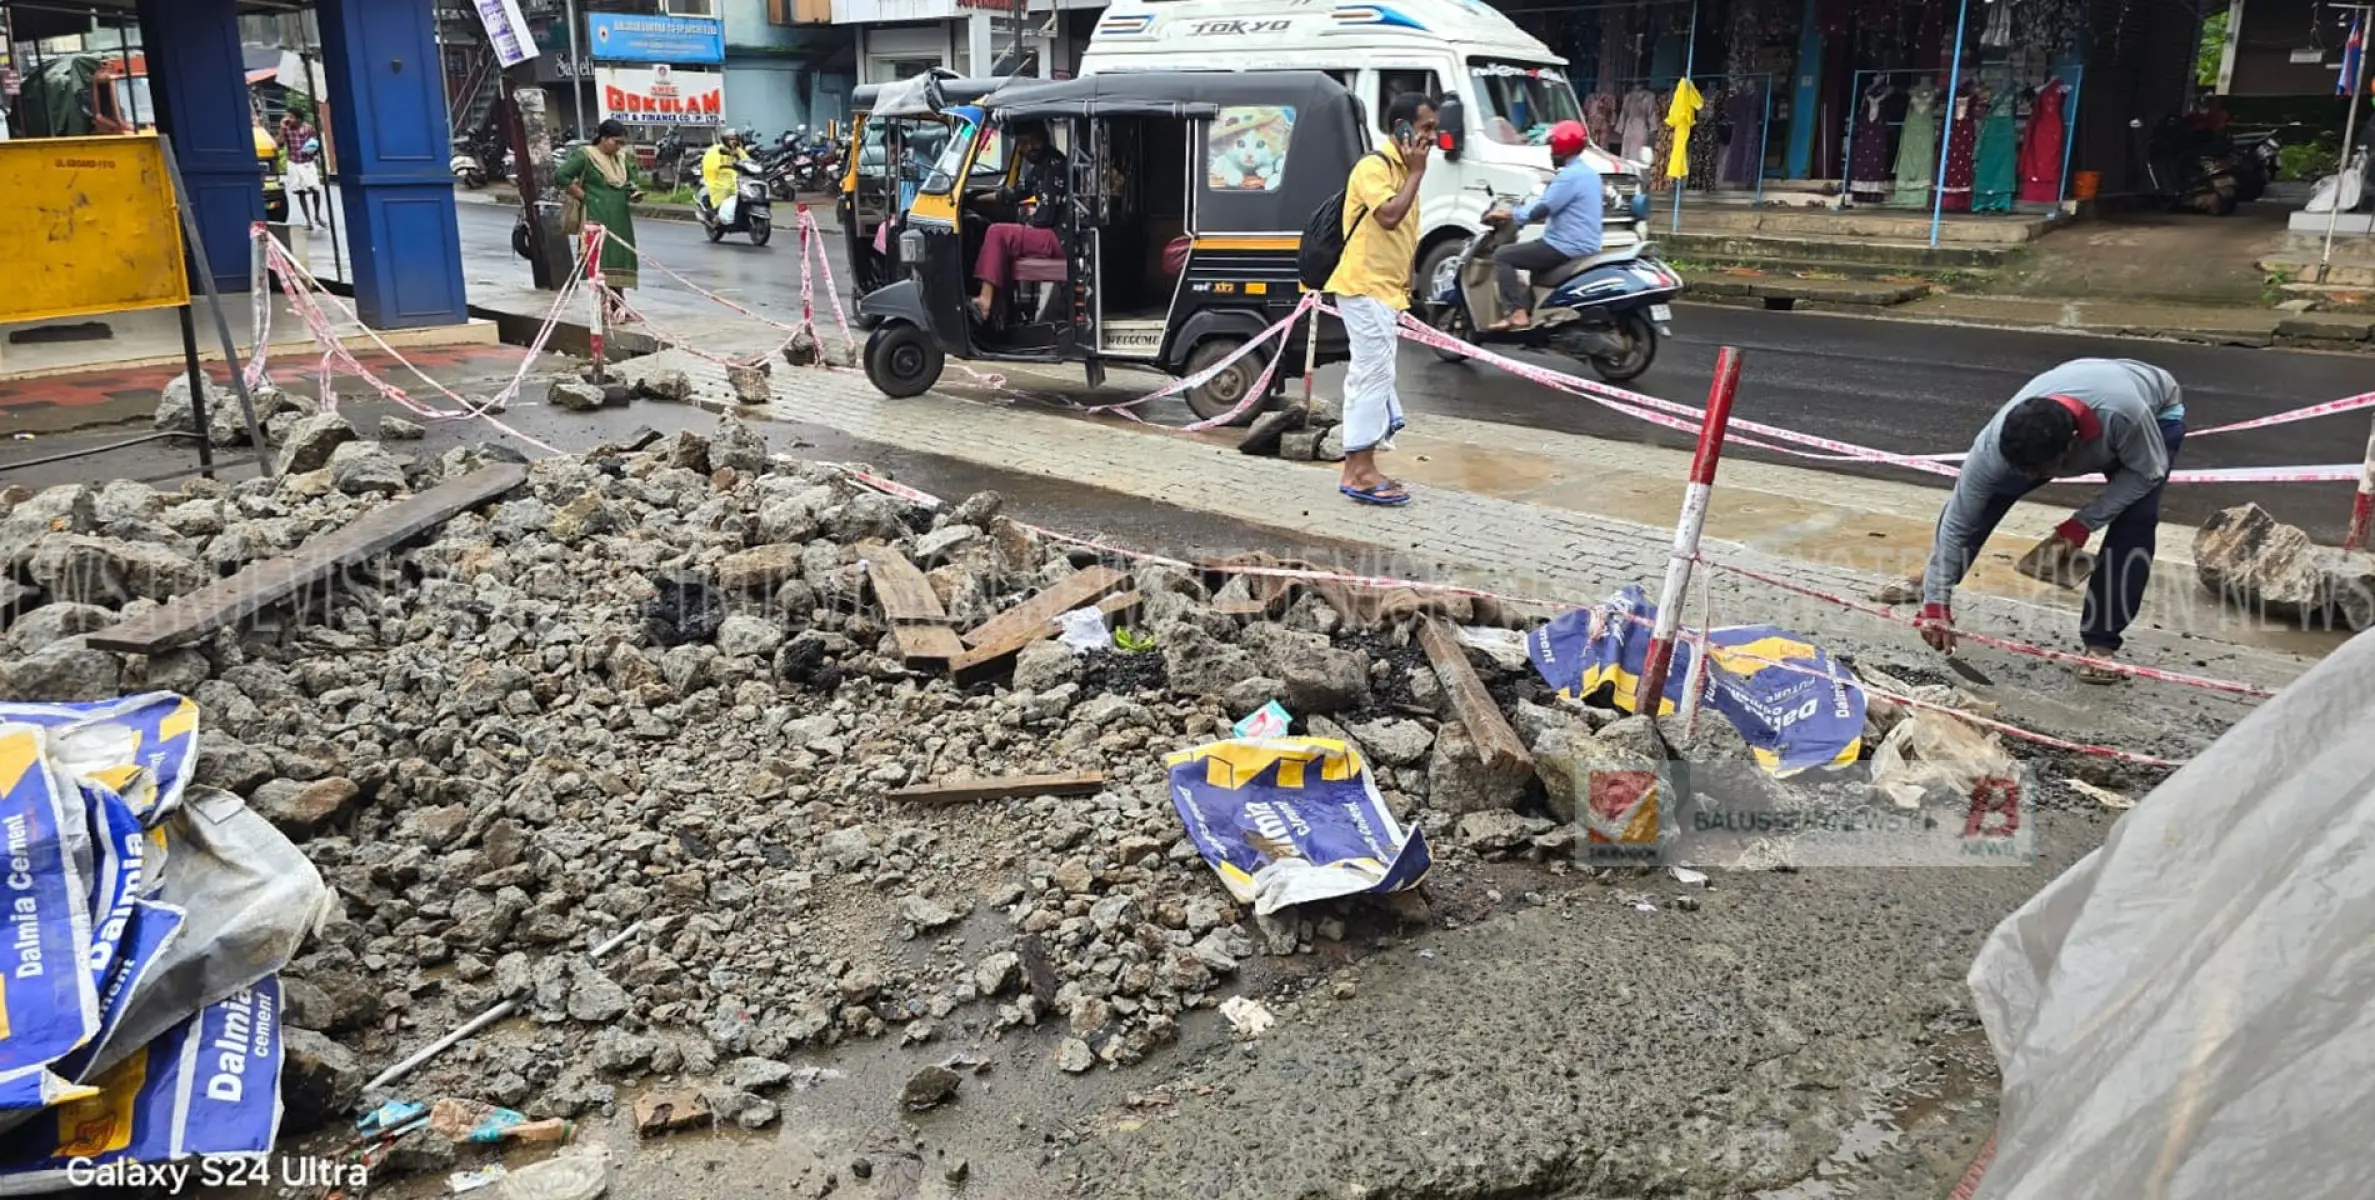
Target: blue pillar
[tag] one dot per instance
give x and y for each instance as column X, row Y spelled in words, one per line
column 396, row 191
column 1805, row 93
column 198, row 82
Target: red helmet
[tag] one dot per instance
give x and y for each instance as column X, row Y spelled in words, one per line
column 1568, row 138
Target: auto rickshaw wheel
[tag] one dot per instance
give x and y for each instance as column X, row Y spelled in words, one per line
column 902, row 361
column 1225, row 391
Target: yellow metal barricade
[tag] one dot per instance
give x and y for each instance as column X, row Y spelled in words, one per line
column 96, row 228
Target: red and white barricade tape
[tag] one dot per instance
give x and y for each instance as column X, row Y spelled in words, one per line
column 925, row 499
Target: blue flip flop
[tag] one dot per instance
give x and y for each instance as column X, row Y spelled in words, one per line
column 1386, row 494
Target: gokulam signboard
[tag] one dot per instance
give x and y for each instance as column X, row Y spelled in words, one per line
column 661, row 95
column 642, row 38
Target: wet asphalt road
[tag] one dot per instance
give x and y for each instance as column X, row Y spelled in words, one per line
column 1892, row 385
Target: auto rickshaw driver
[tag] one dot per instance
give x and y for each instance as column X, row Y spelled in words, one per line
column 1036, row 196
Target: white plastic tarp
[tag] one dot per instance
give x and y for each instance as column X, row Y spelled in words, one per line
column 2186, row 1014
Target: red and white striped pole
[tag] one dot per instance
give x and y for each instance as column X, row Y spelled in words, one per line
column 2362, row 509
column 1660, row 657
column 597, row 331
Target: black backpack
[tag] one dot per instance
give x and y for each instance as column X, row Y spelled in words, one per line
column 1324, row 237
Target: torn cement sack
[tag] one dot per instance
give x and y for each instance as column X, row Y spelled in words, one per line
column 2183, row 1014
column 49, row 1003
column 1290, row 820
column 208, row 1087
column 144, row 748
column 1794, row 707
column 246, row 897
column 1930, row 752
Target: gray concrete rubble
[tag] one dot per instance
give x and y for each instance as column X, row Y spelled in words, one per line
column 659, row 687
column 2272, row 569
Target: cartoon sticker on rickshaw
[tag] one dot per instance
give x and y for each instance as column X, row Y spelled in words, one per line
column 1249, row 148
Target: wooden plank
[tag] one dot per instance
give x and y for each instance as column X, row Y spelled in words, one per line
column 965, row 791
column 1034, row 618
column 1474, row 707
column 917, row 621
column 188, row 617
column 904, row 593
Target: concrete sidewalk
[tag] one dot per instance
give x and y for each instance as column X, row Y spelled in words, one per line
column 820, row 204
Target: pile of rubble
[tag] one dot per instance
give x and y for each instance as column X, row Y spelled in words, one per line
column 656, row 689
column 1310, row 429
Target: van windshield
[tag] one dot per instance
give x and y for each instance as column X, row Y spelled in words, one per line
column 1521, row 101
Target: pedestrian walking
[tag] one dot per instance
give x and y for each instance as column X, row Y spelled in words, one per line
column 2122, row 418
column 1371, row 284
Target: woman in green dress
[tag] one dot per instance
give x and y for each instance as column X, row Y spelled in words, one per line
column 601, row 176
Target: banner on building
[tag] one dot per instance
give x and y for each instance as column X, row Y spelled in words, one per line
column 661, row 95
column 507, row 31
column 644, row 38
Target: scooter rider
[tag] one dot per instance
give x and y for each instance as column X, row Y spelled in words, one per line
column 1571, row 211
column 718, row 175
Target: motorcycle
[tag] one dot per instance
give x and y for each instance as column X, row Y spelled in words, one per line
column 548, row 211
column 667, row 164
column 1608, row 310
column 467, row 170
column 754, row 209
column 2186, row 167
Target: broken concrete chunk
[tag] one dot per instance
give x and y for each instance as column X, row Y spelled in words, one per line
column 311, row 440
column 2248, row 558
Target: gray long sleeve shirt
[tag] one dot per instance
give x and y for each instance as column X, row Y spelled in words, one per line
column 2129, row 399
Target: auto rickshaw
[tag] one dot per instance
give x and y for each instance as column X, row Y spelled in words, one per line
column 1188, row 192
column 897, row 130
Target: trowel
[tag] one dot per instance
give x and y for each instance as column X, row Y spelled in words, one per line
column 2054, row 561
column 1955, row 663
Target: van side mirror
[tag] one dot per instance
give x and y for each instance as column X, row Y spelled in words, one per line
column 1448, row 133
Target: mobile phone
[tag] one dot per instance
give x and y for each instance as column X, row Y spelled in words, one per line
column 1402, row 132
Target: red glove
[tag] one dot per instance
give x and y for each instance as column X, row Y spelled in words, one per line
column 2073, row 532
column 1936, row 624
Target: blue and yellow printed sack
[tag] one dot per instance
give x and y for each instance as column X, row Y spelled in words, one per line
column 1793, row 720
column 1286, row 821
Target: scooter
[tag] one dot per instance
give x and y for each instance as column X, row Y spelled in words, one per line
column 754, row 210
column 1608, row 310
column 668, row 160
column 2190, row 169
column 467, row 170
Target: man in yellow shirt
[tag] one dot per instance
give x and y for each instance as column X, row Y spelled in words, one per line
column 1372, row 288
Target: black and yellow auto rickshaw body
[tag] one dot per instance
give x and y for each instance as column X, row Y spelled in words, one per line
column 1188, row 194
column 897, row 130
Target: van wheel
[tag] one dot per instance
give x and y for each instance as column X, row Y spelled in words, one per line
column 901, row 361
column 1227, row 390
column 1430, row 261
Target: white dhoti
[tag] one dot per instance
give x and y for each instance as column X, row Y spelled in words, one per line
column 1372, row 412
column 302, row 177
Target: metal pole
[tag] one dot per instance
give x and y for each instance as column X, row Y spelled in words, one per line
column 1855, row 112
column 330, row 211
column 2358, row 72
column 189, row 360
column 1659, row 659
column 1764, row 140
column 2070, row 135
column 1690, row 60
column 214, row 300
column 577, row 72
column 1954, row 85
column 2362, row 508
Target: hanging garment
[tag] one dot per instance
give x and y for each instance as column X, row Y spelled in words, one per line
column 1707, row 144
column 1995, row 176
column 1661, row 145
column 1867, row 155
column 1917, row 148
column 1962, row 145
column 1639, row 123
column 1681, row 113
column 1744, row 156
column 1998, row 33
column 1600, row 118
column 2041, row 147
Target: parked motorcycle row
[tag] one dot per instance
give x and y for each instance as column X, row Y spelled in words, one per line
column 2189, row 167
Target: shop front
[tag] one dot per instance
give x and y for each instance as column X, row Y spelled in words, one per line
column 1960, row 106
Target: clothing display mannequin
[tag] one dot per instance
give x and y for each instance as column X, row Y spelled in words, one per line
column 1995, row 176
column 1917, row 147
column 2041, row 147
column 1962, row 145
column 1640, row 122
column 1867, row 156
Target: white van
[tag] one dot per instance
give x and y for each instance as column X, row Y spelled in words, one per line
column 1511, row 88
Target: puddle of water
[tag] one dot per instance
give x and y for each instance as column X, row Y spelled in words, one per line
column 1916, row 1134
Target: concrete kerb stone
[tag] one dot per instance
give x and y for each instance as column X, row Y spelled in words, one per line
column 1513, row 547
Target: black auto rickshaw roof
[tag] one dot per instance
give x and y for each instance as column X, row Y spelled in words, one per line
column 1327, row 138
column 922, row 95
